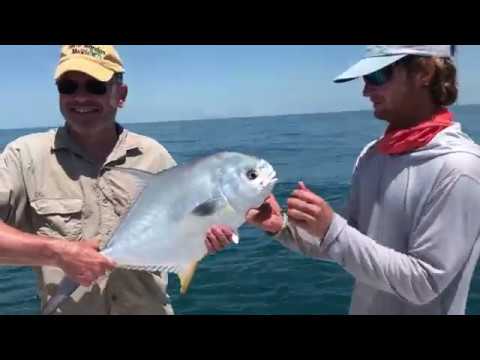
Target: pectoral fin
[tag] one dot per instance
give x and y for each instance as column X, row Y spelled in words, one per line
column 186, row 276
column 209, row 207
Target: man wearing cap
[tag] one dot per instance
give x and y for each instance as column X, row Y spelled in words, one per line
column 61, row 198
column 410, row 234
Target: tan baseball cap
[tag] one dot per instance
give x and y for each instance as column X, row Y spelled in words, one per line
column 98, row 61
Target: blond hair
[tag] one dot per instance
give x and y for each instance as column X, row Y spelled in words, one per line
column 443, row 86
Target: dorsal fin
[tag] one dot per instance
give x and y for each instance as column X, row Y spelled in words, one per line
column 141, row 178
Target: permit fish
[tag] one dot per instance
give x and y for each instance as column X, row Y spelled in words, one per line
column 165, row 227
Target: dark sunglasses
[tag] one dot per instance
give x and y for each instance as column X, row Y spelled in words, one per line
column 70, row 87
column 380, row 77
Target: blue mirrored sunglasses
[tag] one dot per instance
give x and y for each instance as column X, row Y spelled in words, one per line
column 380, row 77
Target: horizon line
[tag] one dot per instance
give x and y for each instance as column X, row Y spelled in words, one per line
column 225, row 118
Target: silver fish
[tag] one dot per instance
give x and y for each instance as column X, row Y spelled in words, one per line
column 166, row 226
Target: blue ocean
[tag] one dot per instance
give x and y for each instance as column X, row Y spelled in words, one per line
column 259, row 276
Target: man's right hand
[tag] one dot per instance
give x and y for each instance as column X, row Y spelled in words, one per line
column 267, row 217
column 81, row 261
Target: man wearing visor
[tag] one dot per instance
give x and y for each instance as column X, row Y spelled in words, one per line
column 411, row 230
column 60, row 190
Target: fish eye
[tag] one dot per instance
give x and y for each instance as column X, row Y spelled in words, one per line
column 252, row 174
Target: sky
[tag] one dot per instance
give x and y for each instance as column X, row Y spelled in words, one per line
column 190, row 82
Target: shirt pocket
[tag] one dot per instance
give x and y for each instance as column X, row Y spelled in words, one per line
column 60, row 218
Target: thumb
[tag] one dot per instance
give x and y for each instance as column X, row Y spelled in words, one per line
column 250, row 215
column 301, row 186
column 93, row 243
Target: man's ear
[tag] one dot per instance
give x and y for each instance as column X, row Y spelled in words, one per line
column 427, row 73
column 123, row 95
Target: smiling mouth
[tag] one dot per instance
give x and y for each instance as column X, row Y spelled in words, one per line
column 84, row 109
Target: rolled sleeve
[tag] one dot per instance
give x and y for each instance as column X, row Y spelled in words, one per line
column 12, row 189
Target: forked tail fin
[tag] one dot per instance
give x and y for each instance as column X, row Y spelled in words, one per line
column 65, row 289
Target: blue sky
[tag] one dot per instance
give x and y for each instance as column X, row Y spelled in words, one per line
column 197, row 82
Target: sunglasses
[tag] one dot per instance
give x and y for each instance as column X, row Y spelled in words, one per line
column 380, row 77
column 70, row 87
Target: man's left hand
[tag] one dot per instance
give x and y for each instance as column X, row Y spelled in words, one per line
column 218, row 238
column 309, row 211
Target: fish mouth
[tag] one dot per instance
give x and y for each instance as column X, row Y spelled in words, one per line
column 269, row 176
column 270, row 181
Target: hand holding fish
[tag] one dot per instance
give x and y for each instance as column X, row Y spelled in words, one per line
column 218, row 237
column 268, row 216
column 82, row 262
column 309, row 211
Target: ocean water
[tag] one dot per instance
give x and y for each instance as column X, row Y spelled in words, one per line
column 259, row 276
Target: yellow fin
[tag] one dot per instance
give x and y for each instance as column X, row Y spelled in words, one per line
column 186, row 277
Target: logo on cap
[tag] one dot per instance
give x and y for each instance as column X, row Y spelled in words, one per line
column 88, row 50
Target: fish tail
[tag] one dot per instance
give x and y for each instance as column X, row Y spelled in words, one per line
column 65, row 289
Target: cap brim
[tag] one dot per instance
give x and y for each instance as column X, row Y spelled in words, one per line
column 367, row 66
column 85, row 66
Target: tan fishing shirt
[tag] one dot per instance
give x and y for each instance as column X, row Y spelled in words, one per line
column 50, row 187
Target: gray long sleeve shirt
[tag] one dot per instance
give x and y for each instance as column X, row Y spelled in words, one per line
column 410, row 236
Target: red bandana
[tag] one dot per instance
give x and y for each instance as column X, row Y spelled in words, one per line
column 405, row 140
